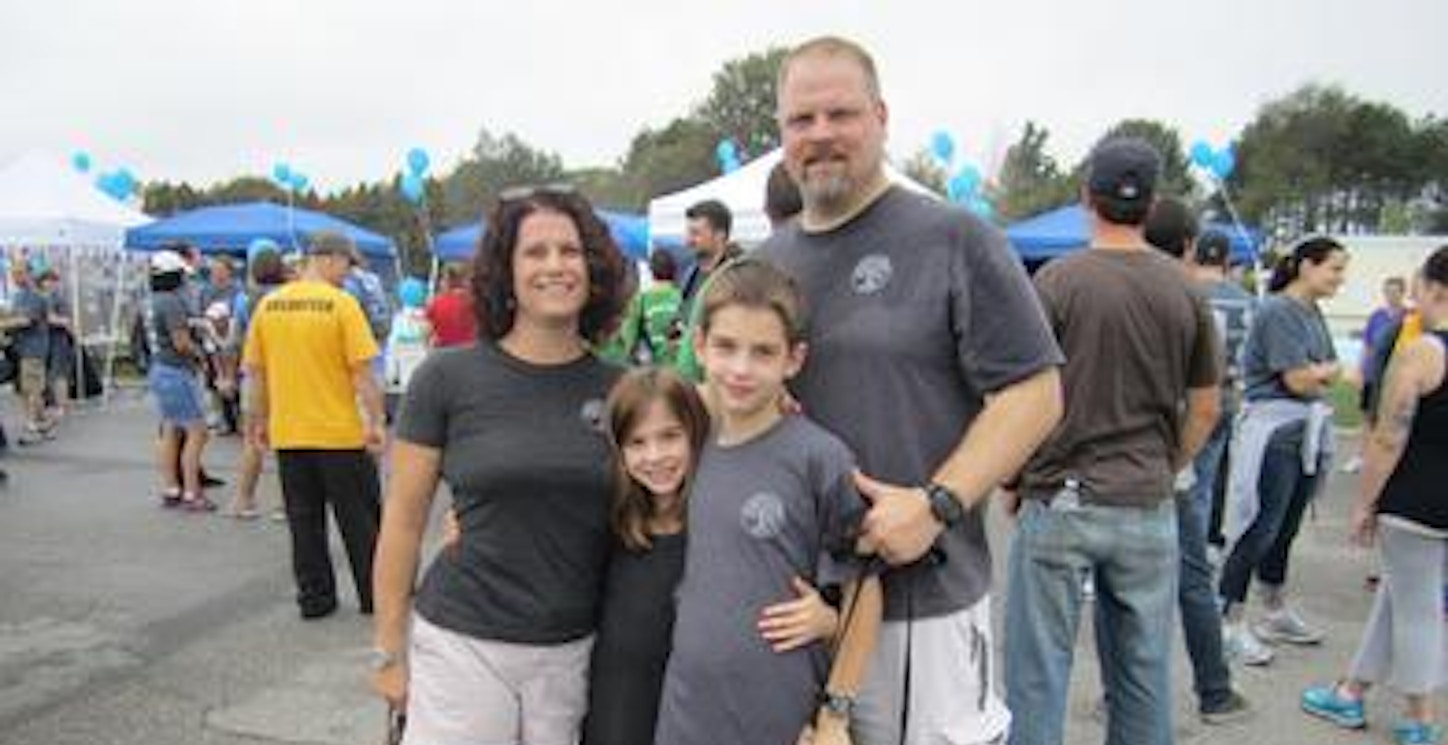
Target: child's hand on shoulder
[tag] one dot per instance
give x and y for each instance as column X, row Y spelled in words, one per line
column 796, row 623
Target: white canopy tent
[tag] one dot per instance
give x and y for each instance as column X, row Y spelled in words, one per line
column 47, row 208
column 45, row 203
column 743, row 192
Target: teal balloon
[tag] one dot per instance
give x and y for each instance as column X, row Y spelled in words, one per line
column 81, row 161
column 1202, row 154
column 942, row 146
column 259, row 246
column 964, row 184
column 1224, row 162
column 125, row 183
column 282, row 174
column 412, row 292
column 298, row 181
column 412, row 188
column 417, row 161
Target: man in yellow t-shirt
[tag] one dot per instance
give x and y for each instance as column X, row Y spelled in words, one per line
column 307, row 354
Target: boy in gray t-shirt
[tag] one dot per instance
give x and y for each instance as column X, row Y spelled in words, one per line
column 772, row 500
column 760, row 513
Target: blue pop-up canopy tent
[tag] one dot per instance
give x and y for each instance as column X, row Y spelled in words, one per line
column 630, row 232
column 1058, row 232
column 231, row 228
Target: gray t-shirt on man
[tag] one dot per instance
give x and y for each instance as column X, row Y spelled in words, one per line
column 531, row 474
column 33, row 340
column 1137, row 336
column 916, row 309
column 168, row 312
column 779, row 506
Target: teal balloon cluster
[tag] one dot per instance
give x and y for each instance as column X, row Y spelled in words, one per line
column 1220, row 163
column 289, row 178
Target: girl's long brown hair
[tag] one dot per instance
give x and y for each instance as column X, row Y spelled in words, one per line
column 628, row 403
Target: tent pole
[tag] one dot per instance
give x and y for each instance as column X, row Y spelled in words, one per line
column 109, row 379
column 77, row 334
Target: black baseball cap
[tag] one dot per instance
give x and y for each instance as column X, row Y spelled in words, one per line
column 331, row 243
column 1124, row 169
column 1214, row 248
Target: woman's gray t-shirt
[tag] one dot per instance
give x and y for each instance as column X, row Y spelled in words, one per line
column 1286, row 334
column 531, row 473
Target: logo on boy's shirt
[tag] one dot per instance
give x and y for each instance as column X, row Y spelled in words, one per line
column 762, row 516
column 872, row 274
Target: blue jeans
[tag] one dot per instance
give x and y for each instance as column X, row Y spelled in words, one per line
column 1133, row 553
column 1201, row 620
column 1283, row 493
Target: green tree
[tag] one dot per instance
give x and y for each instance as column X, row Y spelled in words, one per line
column 1030, row 181
column 1176, row 178
column 1320, row 159
column 669, row 159
column 245, row 189
column 496, row 163
column 608, row 188
column 925, row 169
column 741, row 105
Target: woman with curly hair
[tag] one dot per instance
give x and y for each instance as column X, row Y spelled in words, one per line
column 502, row 624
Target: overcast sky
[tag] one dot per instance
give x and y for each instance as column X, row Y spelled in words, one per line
column 204, row 90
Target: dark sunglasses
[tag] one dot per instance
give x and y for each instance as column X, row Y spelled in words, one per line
column 519, row 193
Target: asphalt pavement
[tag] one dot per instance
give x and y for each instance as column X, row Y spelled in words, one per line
column 122, row 623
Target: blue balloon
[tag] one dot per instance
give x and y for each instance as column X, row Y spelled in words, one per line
column 412, row 292
column 126, row 182
column 1223, row 163
column 1202, row 154
column 964, row 184
column 81, row 161
column 417, row 161
column 942, row 147
column 116, row 185
column 282, row 173
column 412, row 188
column 298, row 181
column 260, row 245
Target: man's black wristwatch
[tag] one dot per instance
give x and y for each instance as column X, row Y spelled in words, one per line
column 944, row 505
column 838, row 704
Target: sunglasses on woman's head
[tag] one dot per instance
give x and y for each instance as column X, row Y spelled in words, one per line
column 518, row 193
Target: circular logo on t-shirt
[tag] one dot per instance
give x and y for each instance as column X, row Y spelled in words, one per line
column 872, row 274
column 592, row 414
column 762, row 516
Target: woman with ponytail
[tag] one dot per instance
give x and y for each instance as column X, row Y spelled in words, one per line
column 1282, row 446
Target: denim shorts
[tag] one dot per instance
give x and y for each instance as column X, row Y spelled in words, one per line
column 179, row 399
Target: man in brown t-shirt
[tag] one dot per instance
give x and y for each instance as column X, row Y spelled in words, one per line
column 1141, row 396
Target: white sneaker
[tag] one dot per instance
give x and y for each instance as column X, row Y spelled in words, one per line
column 1353, row 465
column 1285, row 625
column 1239, row 643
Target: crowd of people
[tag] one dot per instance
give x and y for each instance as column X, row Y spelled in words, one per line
column 771, row 529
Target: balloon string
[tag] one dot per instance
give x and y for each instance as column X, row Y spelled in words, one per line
column 1242, row 233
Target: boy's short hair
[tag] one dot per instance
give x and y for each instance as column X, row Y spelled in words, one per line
column 753, row 283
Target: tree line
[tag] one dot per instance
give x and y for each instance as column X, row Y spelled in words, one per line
column 1319, row 159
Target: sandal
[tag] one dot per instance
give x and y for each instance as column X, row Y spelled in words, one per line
column 197, row 503
column 169, row 500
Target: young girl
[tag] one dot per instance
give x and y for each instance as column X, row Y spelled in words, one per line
column 772, row 504
column 657, row 424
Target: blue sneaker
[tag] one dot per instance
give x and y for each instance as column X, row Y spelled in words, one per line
column 1325, row 702
column 1413, row 732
